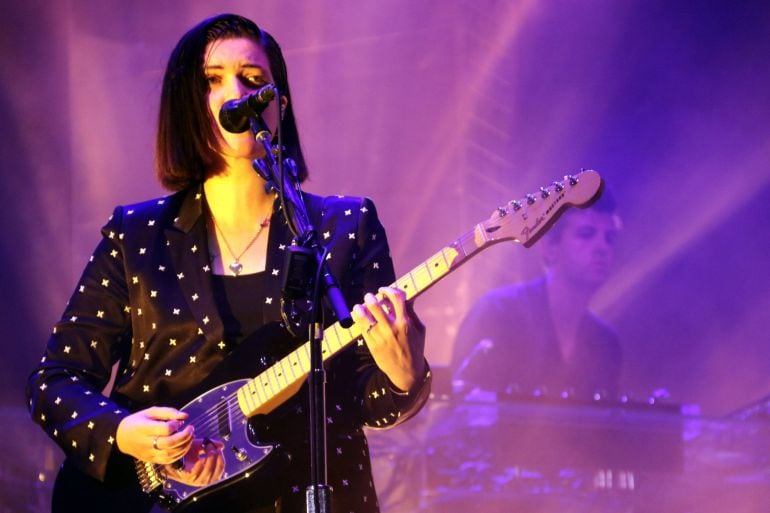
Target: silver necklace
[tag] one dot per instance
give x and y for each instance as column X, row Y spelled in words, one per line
column 236, row 266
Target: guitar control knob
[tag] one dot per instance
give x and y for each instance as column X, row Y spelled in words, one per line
column 240, row 454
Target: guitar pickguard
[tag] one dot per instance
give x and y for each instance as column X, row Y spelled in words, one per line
column 216, row 416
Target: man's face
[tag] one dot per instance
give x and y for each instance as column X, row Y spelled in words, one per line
column 584, row 253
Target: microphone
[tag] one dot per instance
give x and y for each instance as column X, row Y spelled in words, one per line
column 459, row 380
column 234, row 114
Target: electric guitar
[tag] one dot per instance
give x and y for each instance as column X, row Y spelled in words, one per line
column 223, row 412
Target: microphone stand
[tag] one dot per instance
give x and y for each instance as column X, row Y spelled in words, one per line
column 305, row 256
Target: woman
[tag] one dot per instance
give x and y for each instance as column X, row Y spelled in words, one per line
column 184, row 286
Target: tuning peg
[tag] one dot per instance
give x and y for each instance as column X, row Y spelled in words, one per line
column 558, row 186
column 530, row 199
column 544, row 192
column 571, row 179
column 501, row 211
column 515, row 205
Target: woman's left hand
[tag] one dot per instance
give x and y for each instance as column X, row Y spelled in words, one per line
column 394, row 335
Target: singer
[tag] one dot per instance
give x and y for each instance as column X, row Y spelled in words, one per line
column 179, row 286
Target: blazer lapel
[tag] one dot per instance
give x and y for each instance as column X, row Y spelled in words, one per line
column 279, row 239
column 188, row 248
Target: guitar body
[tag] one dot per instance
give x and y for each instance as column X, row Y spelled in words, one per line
column 245, row 457
column 251, row 474
column 253, row 466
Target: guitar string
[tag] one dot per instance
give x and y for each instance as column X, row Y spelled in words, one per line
column 216, row 410
column 212, row 415
column 235, row 414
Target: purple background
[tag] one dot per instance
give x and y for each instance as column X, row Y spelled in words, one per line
column 439, row 111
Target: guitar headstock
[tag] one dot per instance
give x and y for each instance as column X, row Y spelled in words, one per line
column 527, row 219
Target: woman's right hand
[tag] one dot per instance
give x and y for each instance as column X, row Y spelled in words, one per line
column 155, row 435
column 203, row 464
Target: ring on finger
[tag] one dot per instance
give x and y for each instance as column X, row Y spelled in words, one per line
column 155, row 444
column 371, row 325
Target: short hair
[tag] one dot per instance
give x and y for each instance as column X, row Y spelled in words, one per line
column 186, row 144
column 604, row 204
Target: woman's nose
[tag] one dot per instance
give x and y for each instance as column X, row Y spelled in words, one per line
column 235, row 89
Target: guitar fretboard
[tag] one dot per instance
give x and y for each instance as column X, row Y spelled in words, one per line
column 268, row 390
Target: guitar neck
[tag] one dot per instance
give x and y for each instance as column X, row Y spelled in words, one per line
column 521, row 221
column 279, row 382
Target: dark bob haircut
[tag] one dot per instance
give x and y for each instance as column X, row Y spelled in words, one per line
column 186, row 145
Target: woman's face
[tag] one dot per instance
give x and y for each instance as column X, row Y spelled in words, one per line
column 234, row 68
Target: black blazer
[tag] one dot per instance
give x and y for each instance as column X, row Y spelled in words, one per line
column 145, row 302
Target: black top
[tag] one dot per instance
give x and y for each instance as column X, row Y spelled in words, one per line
column 240, row 300
column 520, row 353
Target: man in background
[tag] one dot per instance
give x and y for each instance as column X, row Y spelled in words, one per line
column 540, row 336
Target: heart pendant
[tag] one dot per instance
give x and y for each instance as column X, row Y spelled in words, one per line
column 236, row 267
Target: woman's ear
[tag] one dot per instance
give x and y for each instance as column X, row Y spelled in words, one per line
column 284, row 103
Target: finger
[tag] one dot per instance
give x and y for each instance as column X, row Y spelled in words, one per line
column 209, row 465
column 203, row 468
column 179, row 439
column 171, row 471
column 156, row 421
column 219, row 445
column 375, row 309
column 361, row 315
column 168, row 449
column 178, row 453
column 197, row 469
column 396, row 299
column 167, row 457
column 363, row 318
column 165, row 413
column 219, row 468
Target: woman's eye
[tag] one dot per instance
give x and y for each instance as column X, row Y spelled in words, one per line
column 255, row 80
column 213, row 79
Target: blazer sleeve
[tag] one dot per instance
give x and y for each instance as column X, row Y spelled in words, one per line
column 64, row 392
column 383, row 405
